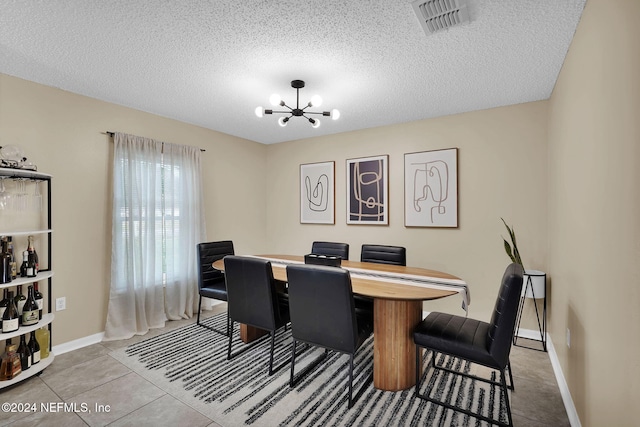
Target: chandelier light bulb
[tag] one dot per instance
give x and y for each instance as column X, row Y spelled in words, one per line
column 275, row 99
column 282, row 121
column 316, row 101
column 335, row 114
column 315, row 123
column 259, row 111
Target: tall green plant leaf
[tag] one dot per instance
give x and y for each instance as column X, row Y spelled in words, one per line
column 507, row 248
column 515, row 253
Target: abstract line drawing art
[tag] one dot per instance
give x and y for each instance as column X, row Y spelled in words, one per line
column 431, row 179
column 431, row 188
column 317, row 193
column 367, row 190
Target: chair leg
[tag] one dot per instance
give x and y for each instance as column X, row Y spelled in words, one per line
column 505, row 391
column 363, row 387
column 272, row 370
column 273, row 343
column 295, row 380
column 513, row 386
column 211, row 327
column 418, row 371
column 350, row 382
column 293, row 363
column 230, row 339
column 502, row 383
column 242, row 350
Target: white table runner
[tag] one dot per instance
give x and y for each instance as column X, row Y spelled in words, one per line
column 456, row 285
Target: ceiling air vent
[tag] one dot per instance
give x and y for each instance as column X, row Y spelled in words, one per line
column 436, row 15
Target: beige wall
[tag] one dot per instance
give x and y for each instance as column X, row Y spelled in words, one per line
column 594, row 211
column 63, row 134
column 502, row 173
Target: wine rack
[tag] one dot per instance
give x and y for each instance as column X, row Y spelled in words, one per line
column 19, row 224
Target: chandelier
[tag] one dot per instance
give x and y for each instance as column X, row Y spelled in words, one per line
column 316, row 101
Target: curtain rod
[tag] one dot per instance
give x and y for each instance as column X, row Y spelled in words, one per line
column 110, row 133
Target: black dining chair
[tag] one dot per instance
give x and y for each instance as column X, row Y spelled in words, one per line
column 210, row 280
column 323, row 314
column 379, row 254
column 331, row 249
column 487, row 344
column 254, row 300
column 384, row 254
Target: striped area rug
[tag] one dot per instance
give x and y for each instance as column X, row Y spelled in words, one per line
column 190, row 363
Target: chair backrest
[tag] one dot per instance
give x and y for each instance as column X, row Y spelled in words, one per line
column 331, row 249
column 503, row 319
column 383, row 254
column 208, row 253
column 321, row 307
column 251, row 292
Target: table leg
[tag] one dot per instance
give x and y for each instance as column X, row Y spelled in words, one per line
column 250, row 333
column 394, row 365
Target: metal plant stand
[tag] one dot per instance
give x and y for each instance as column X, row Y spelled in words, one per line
column 530, row 292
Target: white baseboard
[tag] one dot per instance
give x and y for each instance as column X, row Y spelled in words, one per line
column 572, row 412
column 79, row 343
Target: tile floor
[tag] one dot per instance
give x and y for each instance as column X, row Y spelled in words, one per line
column 99, row 391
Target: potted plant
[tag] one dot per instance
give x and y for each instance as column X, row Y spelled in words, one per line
column 535, row 278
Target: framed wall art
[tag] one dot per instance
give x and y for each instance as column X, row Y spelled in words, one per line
column 431, row 188
column 367, row 190
column 317, row 193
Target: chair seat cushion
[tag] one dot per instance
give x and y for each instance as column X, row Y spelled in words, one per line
column 216, row 291
column 455, row 335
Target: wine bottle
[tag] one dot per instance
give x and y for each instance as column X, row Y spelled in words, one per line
column 24, row 353
column 14, row 267
column 20, row 299
column 4, row 303
column 43, row 337
column 35, row 348
column 30, row 310
column 37, row 295
column 32, row 268
column 10, row 316
column 32, row 251
column 24, row 268
column 5, row 263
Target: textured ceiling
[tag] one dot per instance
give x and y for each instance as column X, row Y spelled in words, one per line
column 211, row 62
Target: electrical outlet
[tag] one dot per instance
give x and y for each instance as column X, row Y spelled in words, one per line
column 61, row 303
column 568, row 338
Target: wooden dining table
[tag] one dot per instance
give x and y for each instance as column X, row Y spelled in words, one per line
column 397, row 309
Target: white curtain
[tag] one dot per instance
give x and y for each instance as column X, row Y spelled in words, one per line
column 158, row 218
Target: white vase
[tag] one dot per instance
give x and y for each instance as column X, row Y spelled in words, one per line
column 538, row 284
